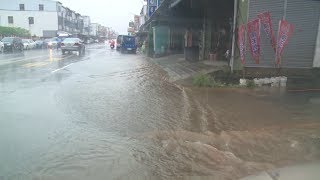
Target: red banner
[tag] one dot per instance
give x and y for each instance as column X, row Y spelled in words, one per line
column 253, row 30
column 241, row 43
column 265, row 19
column 284, row 33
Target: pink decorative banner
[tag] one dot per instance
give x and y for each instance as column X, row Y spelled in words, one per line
column 253, row 31
column 242, row 43
column 265, row 19
column 284, row 33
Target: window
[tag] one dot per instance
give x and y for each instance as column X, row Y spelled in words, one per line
column 41, row 7
column 21, row 7
column 10, row 19
column 31, row 20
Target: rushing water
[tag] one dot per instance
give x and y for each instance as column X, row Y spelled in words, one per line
column 117, row 117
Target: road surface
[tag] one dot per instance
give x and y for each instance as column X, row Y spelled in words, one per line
column 106, row 115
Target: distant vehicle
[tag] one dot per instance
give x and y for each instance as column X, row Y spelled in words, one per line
column 40, row 44
column 53, row 43
column 112, row 44
column 28, row 44
column 32, row 44
column 12, row 44
column 73, row 44
column 1, row 47
column 126, row 44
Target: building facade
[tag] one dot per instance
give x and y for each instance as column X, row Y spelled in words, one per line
column 86, row 25
column 304, row 15
column 94, row 29
column 213, row 25
column 43, row 18
column 37, row 16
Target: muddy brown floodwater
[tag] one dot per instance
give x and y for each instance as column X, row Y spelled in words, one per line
column 115, row 116
column 237, row 132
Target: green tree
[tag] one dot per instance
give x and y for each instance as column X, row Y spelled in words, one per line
column 14, row 31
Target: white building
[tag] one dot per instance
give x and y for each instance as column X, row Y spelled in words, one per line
column 37, row 16
column 94, row 29
column 86, row 25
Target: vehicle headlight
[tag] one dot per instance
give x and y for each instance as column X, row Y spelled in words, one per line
column 50, row 43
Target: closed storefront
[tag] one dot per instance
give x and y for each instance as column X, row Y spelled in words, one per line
column 304, row 15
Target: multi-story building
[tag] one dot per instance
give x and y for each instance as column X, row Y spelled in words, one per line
column 37, row 16
column 86, row 25
column 43, row 18
column 69, row 21
column 94, row 29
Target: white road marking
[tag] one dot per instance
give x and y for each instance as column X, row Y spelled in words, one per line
column 61, row 68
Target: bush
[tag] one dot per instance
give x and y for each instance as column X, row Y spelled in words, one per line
column 251, row 84
column 202, row 80
column 14, row 31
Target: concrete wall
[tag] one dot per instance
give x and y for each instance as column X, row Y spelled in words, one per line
column 316, row 62
column 43, row 20
column 30, row 5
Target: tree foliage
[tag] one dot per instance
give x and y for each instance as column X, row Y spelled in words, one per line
column 14, row 31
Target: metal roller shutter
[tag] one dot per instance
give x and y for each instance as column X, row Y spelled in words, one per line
column 276, row 8
column 304, row 15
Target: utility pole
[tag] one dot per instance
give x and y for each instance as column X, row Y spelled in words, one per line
column 234, row 34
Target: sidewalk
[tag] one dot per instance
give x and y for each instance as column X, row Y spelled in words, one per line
column 178, row 68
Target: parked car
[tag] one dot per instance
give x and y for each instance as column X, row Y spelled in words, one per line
column 12, row 44
column 126, row 44
column 40, row 44
column 32, row 44
column 72, row 44
column 26, row 44
column 1, row 47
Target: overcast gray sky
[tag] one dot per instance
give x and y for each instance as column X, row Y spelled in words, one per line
column 111, row 13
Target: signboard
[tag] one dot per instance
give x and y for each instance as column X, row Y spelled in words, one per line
column 152, row 2
column 241, row 43
column 284, row 33
column 265, row 19
column 131, row 24
column 152, row 6
column 151, row 10
column 253, row 31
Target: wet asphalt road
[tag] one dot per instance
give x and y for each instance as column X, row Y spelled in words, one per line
column 65, row 116
column 106, row 115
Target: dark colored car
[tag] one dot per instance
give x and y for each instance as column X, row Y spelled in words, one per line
column 72, row 44
column 126, row 44
column 12, row 44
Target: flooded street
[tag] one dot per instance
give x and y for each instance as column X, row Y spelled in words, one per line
column 108, row 115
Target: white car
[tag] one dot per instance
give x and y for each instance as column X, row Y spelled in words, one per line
column 26, row 44
column 1, row 47
column 32, row 44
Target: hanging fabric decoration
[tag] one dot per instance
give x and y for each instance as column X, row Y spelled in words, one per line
column 284, row 33
column 253, row 31
column 242, row 43
column 265, row 19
